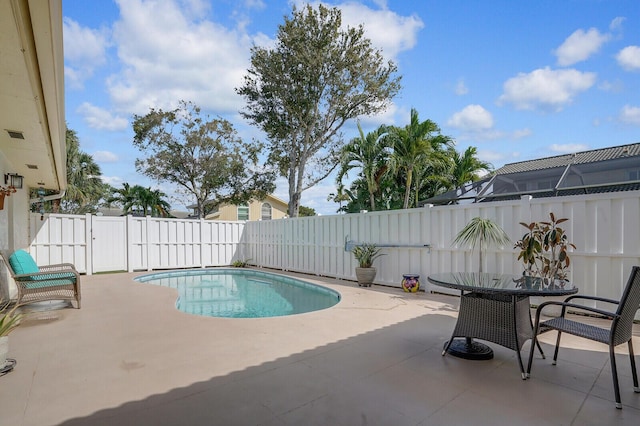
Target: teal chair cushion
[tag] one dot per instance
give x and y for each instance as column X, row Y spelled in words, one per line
column 22, row 263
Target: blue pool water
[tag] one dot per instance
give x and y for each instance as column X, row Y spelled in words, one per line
column 242, row 293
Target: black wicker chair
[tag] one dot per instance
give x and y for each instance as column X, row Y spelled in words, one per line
column 619, row 332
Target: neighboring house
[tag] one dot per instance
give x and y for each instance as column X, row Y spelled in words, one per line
column 116, row 211
column 270, row 208
column 610, row 169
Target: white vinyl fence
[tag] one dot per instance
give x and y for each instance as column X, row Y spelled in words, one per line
column 604, row 227
column 105, row 243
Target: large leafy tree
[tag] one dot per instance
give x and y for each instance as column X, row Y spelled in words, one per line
column 370, row 154
column 139, row 200
column 204, row 157
column 413, row 145
column 302, row 91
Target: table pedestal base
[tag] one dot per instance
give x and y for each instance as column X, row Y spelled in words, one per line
column 469, row 349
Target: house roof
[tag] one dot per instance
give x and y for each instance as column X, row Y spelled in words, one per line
column 594, row 155
column 558, row 167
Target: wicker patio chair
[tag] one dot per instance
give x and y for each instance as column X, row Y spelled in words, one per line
column 39, row 283
column 619, row 332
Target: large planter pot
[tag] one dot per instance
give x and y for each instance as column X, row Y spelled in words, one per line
column 365, row 276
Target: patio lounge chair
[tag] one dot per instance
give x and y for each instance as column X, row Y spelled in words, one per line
column 619, row 332
column 36, row 284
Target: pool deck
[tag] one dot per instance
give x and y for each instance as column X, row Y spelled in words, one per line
column 128, row 357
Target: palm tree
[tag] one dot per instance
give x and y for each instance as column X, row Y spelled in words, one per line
column 481, row 231
column 369, row 153
column 84, row 186
column 466, row 168
column 140, row 200
column 431, row 174
column 153, row 202
column 413, row 144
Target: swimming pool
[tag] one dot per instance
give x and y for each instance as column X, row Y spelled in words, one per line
column 242, row 293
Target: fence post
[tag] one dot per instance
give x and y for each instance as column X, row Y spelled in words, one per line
column 525, row 203
column 88, row 237
column 201, row 224
column 128, row 242
column 147, row 245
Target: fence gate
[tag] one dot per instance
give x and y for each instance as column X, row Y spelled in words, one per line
column 109, row 240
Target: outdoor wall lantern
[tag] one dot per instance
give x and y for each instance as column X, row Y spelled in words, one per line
column 13, row 180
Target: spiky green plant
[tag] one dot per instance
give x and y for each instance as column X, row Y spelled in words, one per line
column 365, row 254
column 8, row 320
column 483, row 233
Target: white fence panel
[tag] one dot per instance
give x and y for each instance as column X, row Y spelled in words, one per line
column 107, row 243
column 604, row 227
column 60, row 239
column 220, row 242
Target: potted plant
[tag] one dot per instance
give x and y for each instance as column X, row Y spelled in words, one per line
column 8, row 321
column 544, row 253
column 365, row 254
column 481, row 232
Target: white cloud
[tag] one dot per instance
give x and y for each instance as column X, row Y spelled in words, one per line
column 616, row 86
column 114, row 181
column 386, row 29
column 546, row 88
column 84, row 51
column 630, row 115
column 105, row 157
column 168, row 54
column 461, row 88
column 472, row 118
column 476, row 123
column 568, row 148
column 316, row 197
column 629, row 58
column 579, row 46
column 521, row 133
column 101, row 119
column 616, row 23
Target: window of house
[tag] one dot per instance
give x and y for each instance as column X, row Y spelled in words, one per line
column 266, row 211
column 243, row 212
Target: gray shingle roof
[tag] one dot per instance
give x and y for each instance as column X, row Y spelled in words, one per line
column 602, row 154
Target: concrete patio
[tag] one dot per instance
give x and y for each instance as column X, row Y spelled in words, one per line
column 128, row 357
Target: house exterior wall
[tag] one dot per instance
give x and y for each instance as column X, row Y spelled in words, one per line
column 14, row 229
column 230, row 212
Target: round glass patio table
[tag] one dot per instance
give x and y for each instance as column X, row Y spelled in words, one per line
column 495, row 308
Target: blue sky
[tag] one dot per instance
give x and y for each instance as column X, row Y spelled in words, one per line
column 517, row 79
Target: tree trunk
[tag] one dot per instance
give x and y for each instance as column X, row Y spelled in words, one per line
column 294, row 193
column 407, row 189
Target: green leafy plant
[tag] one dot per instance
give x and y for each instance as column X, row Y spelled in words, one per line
column 365, row 254
column 9, row 320
column 482, row 232
column 240, row 263
column 544, row 250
